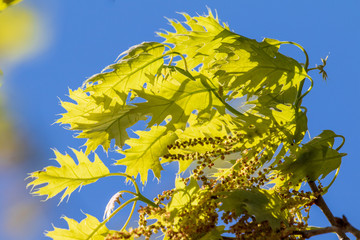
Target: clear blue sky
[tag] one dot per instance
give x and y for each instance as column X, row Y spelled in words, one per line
column 85, row 36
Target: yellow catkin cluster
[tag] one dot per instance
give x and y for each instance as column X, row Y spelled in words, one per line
column 196, row 220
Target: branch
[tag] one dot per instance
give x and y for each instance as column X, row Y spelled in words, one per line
column 348, row 227
column 314, row 232
column 320, row 202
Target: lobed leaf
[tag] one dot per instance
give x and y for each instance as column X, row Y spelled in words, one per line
column 98, row 122
column 69, row 176
column 98, row 109
column 265, row 205
column 178, row 98
column 140, row 65
column 313, row 160
column 88, row 229
column 184, row 195
column 242, row 65
column 145, row 152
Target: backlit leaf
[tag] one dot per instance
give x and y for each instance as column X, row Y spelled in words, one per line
column 98, row 122
column 88, row 229
column 178, row 99
column 184, row 195
column 139, row 66
column 145, row 152
column 69, row 176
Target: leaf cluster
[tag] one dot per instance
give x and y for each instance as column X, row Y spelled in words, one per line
column 227, row 109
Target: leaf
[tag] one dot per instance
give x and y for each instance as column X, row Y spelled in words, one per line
column 314, row 159
column 178, row 99
column 214, row 234
column 140, row 65
column 265, row 205
column 183, row 196
column 199, row 42
column 238, row 63
column 145, row 152
column 69, row 176
column 6, row 3
column 98, row 122
column 87, row 229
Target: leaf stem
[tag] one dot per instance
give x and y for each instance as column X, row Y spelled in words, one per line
column 137, row 194
column 342, row 144
column 128, row 177
column 227, row 106
column 146, row 200
column 306, row 66
column 112, row 214
column 130, row 215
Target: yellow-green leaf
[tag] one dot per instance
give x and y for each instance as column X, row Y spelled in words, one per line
column 184, row 195
column 88, row 229
column 240, row 64
column 140, row 65
column 145, row 152
column 98, row 122
column 69, row 176
column 178, row 99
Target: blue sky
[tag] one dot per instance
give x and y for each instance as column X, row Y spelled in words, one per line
column 82, row 37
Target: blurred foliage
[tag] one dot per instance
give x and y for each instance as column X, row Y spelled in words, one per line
column 19, row 33
column 6, row 3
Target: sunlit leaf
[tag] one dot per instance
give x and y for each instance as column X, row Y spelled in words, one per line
column 139, row 66
column 98, row 122
column 178, row 99
column 88, row 229
column 69, row 176
column 184, row 195
column 145, row 152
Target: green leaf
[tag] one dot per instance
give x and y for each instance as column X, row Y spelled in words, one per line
column 98, row 122
column 177, row 98
column 183, row 196
column 265, row 205
column 69, row 176
column 314, row 159
column 238, row 63
column 214, row 234
column 88, row 229
column 140, row 65
column 146, row 150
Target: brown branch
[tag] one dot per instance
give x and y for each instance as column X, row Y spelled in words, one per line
column 348, row 227
column 320, row 202
column 343, row 226
column 314, row 232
